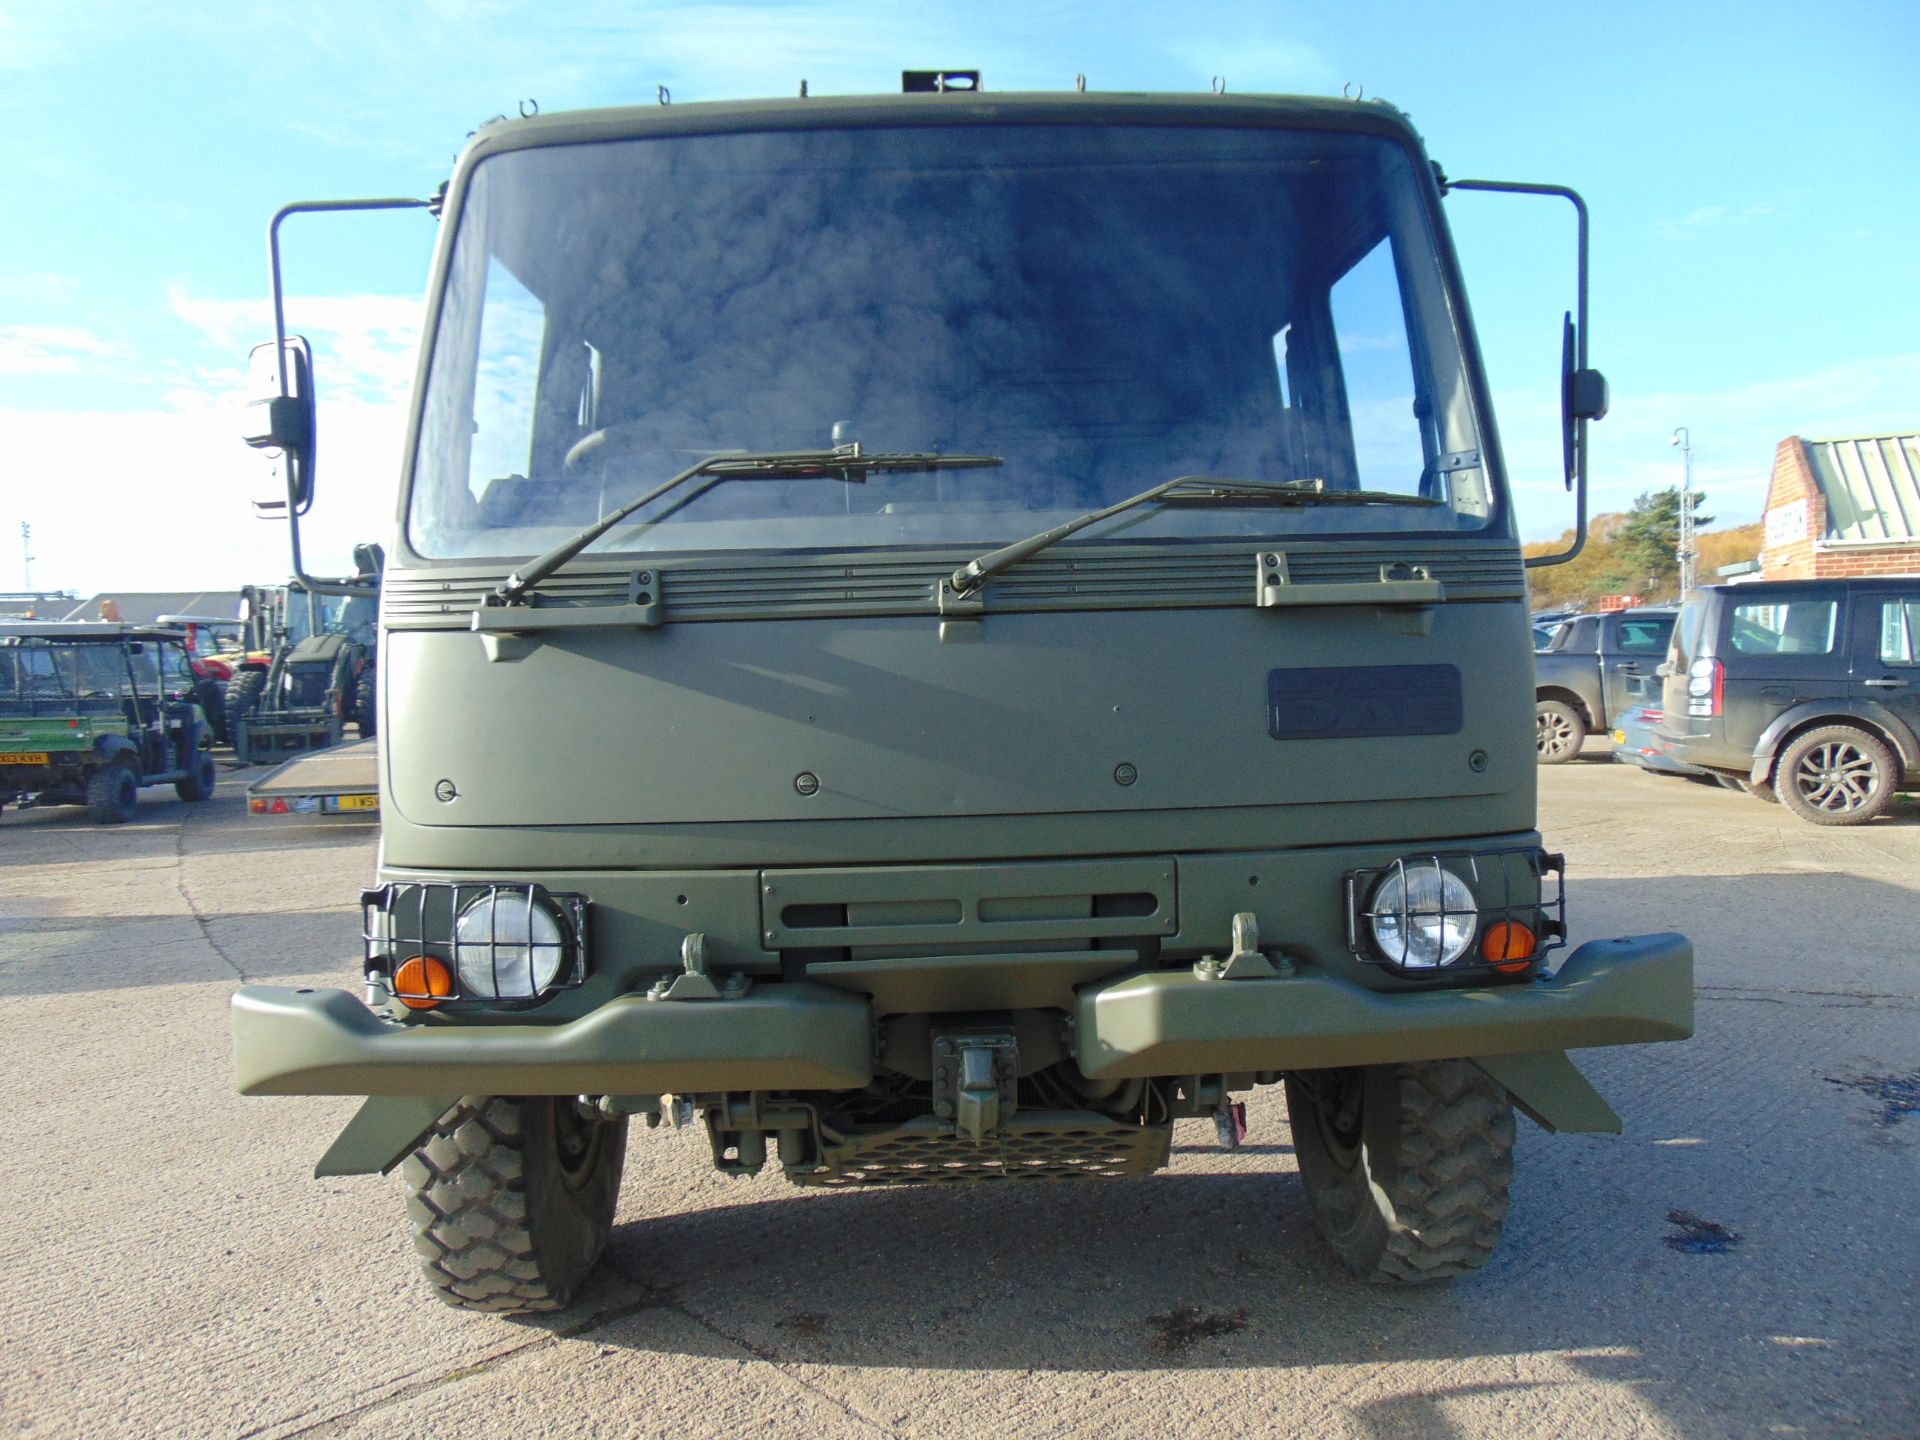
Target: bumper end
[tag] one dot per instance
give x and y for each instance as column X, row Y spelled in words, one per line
column 325, row 1042
column 1608, row 992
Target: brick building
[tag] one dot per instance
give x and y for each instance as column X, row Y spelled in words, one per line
column 1843, row 507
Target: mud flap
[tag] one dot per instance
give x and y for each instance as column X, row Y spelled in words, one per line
column 383, row 1132
column 1551, row 1092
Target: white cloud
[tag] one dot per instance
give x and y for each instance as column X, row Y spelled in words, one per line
column 364, row 345
column 53, row 349
column 1713, row 217
column 159, row 498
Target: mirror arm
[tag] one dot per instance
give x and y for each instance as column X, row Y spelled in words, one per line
column 1587, row 384
column 314, row 584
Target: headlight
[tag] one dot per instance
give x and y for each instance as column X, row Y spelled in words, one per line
column 433, row 942
column 1422, row 917
column 1470, row 913
column 506, row 947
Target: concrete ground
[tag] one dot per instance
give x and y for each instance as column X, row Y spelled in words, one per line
column 1742, row 1262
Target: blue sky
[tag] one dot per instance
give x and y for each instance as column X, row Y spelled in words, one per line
column 1751, row 170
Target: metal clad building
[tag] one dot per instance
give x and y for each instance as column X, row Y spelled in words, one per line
column 1843, row 507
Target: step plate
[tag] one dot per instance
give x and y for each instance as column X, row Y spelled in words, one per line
column 1029, row 1146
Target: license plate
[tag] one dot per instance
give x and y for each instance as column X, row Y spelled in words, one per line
column 24, row 757
column 353, row 802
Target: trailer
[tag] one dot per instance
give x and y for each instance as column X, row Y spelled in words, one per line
column 344, row 780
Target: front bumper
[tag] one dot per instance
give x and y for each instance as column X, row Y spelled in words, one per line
column 807, row 1037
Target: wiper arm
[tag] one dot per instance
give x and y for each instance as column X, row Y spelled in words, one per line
column 1186, row 490
column 848, row 462
column 1204, row 491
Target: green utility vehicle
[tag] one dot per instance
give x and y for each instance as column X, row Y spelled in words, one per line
column 936, row 636
column 90, row 712
column 319, row 675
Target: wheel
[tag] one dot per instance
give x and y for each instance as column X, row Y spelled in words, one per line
column 199, row 782
column 1836, row 775
column 365, row 696
column 1559, row 731
column 112, row 794
column 1760, row 790
column 243, row 695
column 512, row 1201
column 1407, row 1167
column 212, row 700
column 1728, row 782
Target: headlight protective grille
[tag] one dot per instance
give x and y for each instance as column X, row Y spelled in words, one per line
column 495, row 943
column 1484, row 889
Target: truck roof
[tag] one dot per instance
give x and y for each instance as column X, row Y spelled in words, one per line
column 953, row 108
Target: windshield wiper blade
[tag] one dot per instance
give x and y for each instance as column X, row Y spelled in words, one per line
column 847, row 462
column 1204, row 491
column 1185, row 490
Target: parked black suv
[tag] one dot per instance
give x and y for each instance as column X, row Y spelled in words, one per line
column 1807, row 691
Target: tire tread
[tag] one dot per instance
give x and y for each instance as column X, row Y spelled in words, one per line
column 1456, row 1166
column 473, row 1223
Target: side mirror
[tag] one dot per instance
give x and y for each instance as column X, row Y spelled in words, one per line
column 1583, row 396
column 279, row 421
column 1583, row 392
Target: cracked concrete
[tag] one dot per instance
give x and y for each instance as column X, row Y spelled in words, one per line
column 175, row 1271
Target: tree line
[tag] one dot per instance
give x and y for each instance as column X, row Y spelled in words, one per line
column 1638, row 554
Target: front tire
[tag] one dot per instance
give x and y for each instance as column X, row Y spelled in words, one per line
column 112, row 794
column 199, row 781
column 365, row 700
column 1407, row 1167
column 512, row 1201
column 243, row 697
column 1559, row 731
column 1836, row 775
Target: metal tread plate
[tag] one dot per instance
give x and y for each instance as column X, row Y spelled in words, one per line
column 1030, row 1146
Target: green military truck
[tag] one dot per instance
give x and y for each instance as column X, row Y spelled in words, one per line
column 936, row 636
column 91, row 712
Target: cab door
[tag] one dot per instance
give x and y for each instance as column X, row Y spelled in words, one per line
column 145, row 706
column 1886, row 651
column 1635, row 645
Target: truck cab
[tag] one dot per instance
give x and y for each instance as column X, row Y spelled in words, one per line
column 935, row 635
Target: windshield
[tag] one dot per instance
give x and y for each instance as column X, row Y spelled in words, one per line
column 354, row 616
column 1106, row 308
column 40, row 678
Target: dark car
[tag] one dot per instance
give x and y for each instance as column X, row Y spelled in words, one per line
column 1581, row 680
column 1546, row 625
column 1636, row 741
column 1804, row 686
